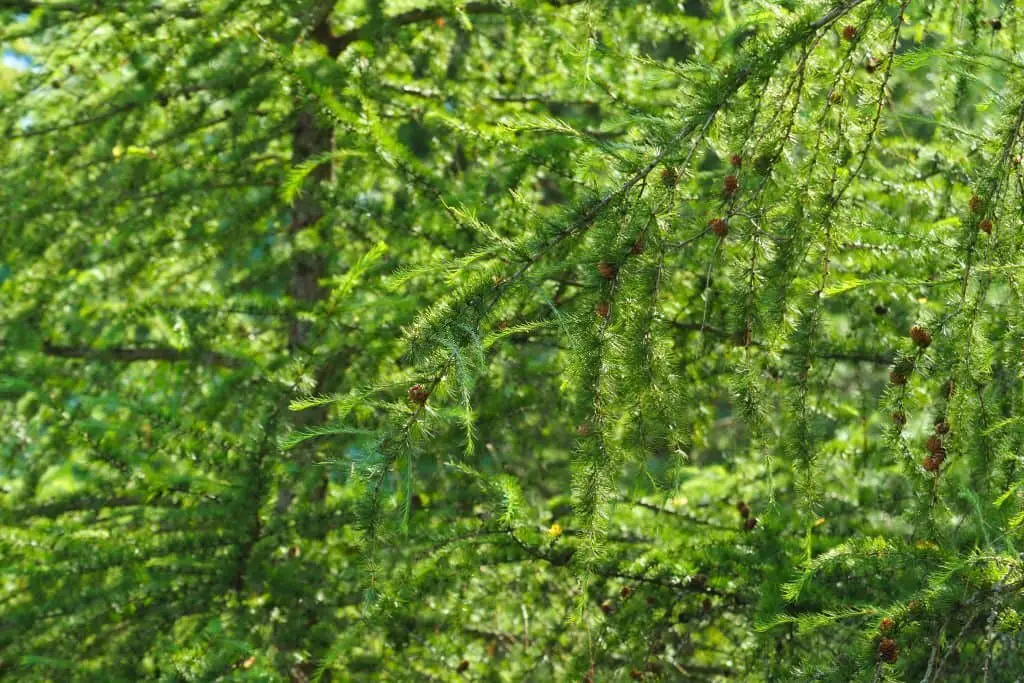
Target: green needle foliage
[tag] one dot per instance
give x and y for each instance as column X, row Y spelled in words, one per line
column 511, row 340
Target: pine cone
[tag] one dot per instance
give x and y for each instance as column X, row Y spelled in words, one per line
column 719, row 226
column 888, row 650
column 669, row 177
column 608, row 270
column 418, row 394
column 920, row 336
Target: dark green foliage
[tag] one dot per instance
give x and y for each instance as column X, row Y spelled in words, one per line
column 540, row 340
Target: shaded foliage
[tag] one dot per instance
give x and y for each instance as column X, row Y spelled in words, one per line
column 525, row 340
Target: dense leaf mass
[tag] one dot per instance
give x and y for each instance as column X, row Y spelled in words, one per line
column 511, row 340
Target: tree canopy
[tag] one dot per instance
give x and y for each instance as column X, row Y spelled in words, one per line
column 511, row 340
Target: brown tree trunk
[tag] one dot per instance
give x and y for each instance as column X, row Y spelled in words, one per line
column 310, row 139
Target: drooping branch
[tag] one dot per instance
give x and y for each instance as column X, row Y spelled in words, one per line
column 148, row 353
column 852, row 355
column 336, row 44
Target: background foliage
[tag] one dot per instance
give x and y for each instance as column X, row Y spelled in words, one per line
column 539, row 340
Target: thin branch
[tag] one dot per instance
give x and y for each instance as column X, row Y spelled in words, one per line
column 133, row 355
column 546, row 99
column 336, row 44
column 682, row 515
column 851, row 356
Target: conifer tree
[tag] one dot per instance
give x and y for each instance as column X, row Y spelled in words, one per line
column 511, row 340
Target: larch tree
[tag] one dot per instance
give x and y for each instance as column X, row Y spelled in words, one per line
column 511, row 340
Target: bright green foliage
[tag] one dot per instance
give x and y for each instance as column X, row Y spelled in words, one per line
column 511, row 340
